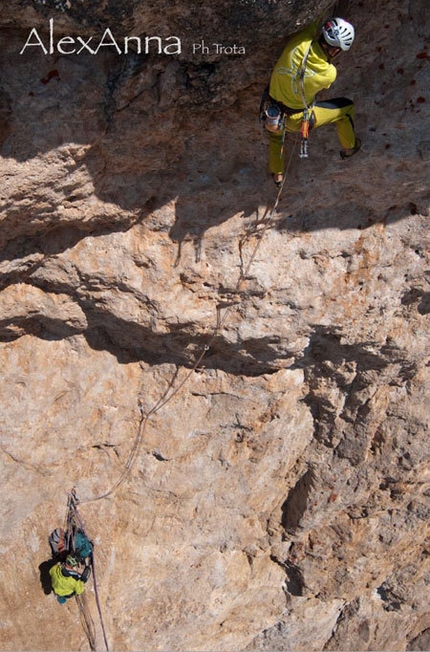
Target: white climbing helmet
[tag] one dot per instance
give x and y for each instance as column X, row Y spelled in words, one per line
column 338, row 33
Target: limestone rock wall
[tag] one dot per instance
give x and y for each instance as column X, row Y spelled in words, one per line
column 280, row 499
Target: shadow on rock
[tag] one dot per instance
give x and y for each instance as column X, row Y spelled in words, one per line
column 44, row 577
column 159, row 131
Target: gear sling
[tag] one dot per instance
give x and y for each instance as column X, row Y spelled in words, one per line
column 274, row 113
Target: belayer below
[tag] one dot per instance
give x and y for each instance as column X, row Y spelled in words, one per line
column 303, row 70
column 68, row 578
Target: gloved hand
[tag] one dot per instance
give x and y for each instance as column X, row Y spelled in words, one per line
column 86, row 574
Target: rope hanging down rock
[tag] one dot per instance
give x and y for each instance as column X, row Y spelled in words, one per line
column 172, row 390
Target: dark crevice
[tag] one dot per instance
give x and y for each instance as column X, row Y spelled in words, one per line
column 159, row 456
column 390, row 600
column 294, row 582
column 296, row 502
column 424, row 305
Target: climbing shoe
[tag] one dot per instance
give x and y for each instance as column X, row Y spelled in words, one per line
column 350, row 152
column 278, row 178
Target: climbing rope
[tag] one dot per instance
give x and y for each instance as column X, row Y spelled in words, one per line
column 171, row 389
column 86, row 620
column 99, row 610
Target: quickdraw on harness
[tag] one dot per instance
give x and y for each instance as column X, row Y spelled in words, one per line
column 304, row 130
column 304, row 133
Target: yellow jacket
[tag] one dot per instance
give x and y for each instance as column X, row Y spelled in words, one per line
column 285, row 84
column 62, row 585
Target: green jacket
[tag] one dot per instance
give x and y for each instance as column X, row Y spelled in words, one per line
column 65, row 583
column 285, row 84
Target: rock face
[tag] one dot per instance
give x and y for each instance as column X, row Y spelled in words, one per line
column 278, row 497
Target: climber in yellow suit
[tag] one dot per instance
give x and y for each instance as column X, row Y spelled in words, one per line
column 303, row 70
column 67, row 579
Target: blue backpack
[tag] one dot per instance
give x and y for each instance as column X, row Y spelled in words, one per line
column 82, row 545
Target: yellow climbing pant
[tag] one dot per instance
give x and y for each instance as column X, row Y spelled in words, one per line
column 339, row 111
